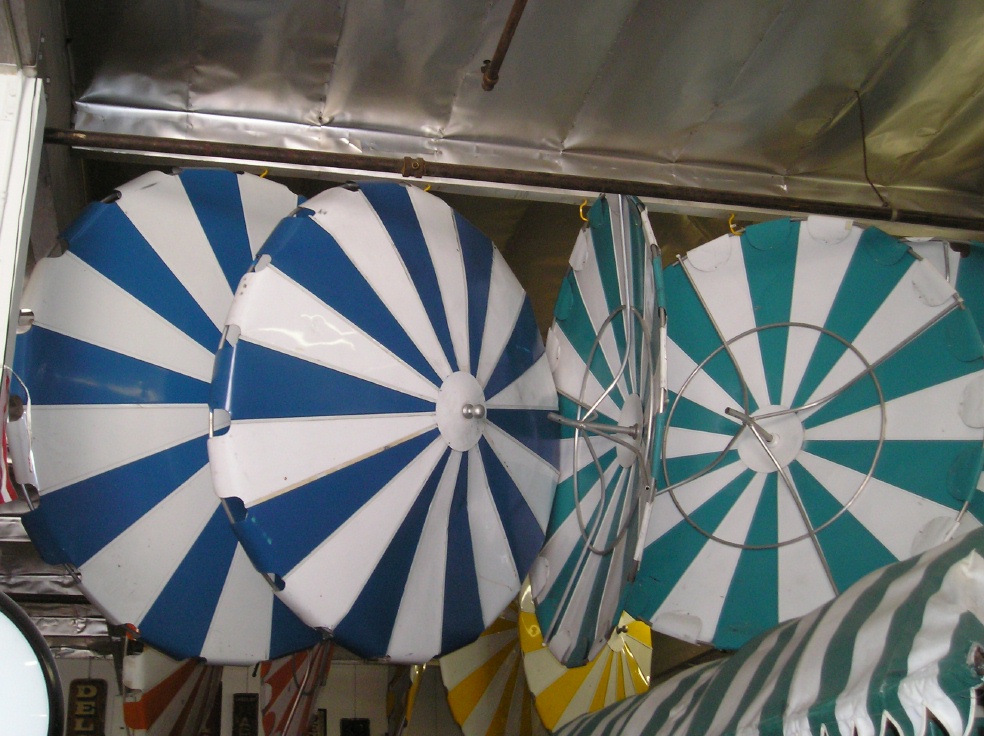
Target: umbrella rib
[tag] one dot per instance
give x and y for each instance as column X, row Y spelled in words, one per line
column 788, row 480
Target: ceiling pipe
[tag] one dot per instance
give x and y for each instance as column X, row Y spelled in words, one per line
column 419, row 168
column 490, row 69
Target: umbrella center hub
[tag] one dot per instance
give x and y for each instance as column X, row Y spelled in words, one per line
column 461, row 411
column 785, row 439
column 630, row 416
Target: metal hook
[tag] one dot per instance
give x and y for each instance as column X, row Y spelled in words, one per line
column 731, row 225
column 580, row 210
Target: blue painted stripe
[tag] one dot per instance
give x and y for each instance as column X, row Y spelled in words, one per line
column 532, row 428
column 850, row 549
column 752, row 601
column 310, row 256
column 865, row 286
column 392, row 204
column 43, row 538
column 278, row 534
column 265, row 384
column 522, row 350
column 476, row 253
column 520, row 525
column 368, row 626
column 769, row 250
column 215, row 197
column 59, row 369
column 86, row 516
column 105, row 239
column 462, row 616
column 667, row 558
column 178, row 621
column 288, row 633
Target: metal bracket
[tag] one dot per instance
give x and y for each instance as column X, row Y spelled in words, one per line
column 415, row 167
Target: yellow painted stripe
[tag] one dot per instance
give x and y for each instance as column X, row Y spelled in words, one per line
column 500, row 719
column 466, row 694
column 640, row 679
column 530, row 636
column 598, row 701
column 554, row 699
column 620, row 678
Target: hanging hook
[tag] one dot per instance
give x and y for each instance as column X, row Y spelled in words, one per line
column 731, row 225
column 580, row 210
column 427, row 188
column 265, row 172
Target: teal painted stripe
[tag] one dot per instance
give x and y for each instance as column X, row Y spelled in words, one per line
column 769, row 250
column 580, row 331
column 666, row 560
column 850, row 549
column 752, row 602
column 931, row 470
column 926, row 361
column 865, row 286
column 689, row 688
column 603, row 240
column 970, row 283
column 681, row 468
column 568, row 408
column 689, row 414
column 639, row 259
column 587, row 477
column 692, row 330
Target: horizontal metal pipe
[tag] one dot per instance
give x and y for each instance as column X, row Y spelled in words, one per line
column 418, row 167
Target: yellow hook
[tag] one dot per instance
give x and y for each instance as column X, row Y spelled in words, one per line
column 731, row 226
column 265, row 172
column 580, row 210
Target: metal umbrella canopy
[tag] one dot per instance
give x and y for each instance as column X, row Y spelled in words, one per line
column 621, row 669
column 487, row 687
column 825, row 420
column 380, row 422
column 899, row 652
column 604, row 352
column 118, row 366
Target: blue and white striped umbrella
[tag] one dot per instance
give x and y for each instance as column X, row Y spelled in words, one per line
column 604, row 352
column 380, row 411
column 118, row 366
column 897, row 653
column 825, row 420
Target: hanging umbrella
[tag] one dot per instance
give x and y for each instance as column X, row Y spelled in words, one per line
column 401, row 696
column 823, row 423
column 897, row 653
column 291, row 686
column 30, row 689
column 166, row 696
column 380, row 422
column 962, row 265
column 486, row 683
column 118, row 367
column 620, row 670
column 605, row 356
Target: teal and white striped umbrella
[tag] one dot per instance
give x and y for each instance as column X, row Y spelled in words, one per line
column 898, row 653
column 825, row 420
column 604, row 353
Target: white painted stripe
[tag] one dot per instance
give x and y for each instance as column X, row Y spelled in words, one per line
column 495, row 568
column 802, row 582
column 506, row 297
column 75, row 442
column 701, row 589
column 600, row 444
column 349, row 218
column 580, row 701
column 481, row 718
column 241, row 625
column 726, row 296
column 438, row 226
column 71, row 298
column 592, row 294
column 569, row 372
column 820, row 269
column 534, row 389
column 622, row 239
column 282, row 315
column 265, row 204
column 304, row 449
column 459, row 664
column 896, row 530
column 535, row 478
column 127, row 575
column 932, row 413
column 349, row 556
column 158, row 206
column 702, row 389
column 900, row 316
column 691, row 497
column 688, row 442
column 416, row 637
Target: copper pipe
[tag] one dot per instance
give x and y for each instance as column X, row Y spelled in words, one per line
column 418, row 168
column 490, row 69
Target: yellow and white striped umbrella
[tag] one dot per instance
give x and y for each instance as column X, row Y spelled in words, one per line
column 487, row 688
column 561, row 694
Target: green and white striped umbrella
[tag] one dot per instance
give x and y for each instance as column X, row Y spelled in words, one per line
column 898, row 653
column 604, row 353
column 825, row 420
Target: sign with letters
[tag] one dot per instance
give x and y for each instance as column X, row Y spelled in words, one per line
column 86, row 714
